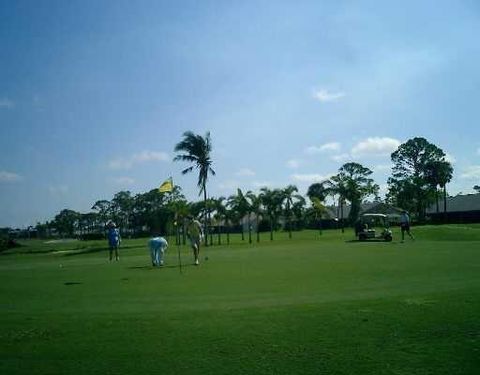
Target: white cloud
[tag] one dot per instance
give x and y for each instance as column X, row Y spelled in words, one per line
column 472, row 171
column 382, row 168
column 142, row 157
column 383, row 190
column 340, row 157
column 293, row 163
column 58, row 189
column 450, row 158
column 261, row 184
column 327, row 147
column 310, row 178
column 6, row 103
column 123, row 181
column 375, row 146
column 228, row 185
column 245, row 172
column 324, row 95
column 9, row 177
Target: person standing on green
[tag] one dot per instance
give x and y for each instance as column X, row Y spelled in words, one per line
column 195, row 235
column 113, row 236
column 405, row 225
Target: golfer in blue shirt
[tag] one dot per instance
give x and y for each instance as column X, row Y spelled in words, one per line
column 113, row 236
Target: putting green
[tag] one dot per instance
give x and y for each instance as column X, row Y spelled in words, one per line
column 313, row 304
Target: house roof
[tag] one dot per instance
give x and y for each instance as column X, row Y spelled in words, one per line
column 368, row 208
column 460, row 203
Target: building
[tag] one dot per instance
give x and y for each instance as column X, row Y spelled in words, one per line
column 460, row 209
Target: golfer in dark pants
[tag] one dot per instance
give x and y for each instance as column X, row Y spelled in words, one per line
column 405, row 225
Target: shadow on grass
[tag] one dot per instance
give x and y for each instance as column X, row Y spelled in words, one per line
column 165, row 266
column 367, row 241
column 72, row 283
column 90, row 250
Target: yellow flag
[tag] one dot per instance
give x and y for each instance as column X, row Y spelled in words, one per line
column 166, row 187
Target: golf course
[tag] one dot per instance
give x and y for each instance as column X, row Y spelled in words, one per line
column 312, row 304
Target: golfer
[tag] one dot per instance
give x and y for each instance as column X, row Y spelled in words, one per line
column 113, row 236
column 405, row 225
column 158, row 246
column 195, row 235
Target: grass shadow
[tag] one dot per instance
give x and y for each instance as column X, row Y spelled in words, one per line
column 367, row 241
column 91, row 250
column 72, row 283
column 165, row 266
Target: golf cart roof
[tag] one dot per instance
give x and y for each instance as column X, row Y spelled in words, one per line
column 374, row 215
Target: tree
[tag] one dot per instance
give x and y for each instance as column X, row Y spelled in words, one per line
column 240, row 205
column 122, row 208
column 272, row 202
column 439, row 174
column 220, row 215
column 65, row 221
column 477, row 188
column 256, row 209
column 104, row 209
column 197, row 151
column 319, row 209
column 180, row 210
column 355, row 185
column 409, row 186
column 319, row 190
column 289, row 198
column 317, row 193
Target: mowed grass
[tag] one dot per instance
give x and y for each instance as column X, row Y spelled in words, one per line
column 308, row 305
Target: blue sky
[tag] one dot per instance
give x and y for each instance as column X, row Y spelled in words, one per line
column 95, row 94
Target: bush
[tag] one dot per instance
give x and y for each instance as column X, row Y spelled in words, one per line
column 6, row 243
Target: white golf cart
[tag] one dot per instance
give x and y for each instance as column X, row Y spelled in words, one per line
column 373, row 227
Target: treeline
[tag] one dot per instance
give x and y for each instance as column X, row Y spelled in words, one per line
column 420, row 174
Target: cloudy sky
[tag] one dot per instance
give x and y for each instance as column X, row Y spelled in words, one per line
column 95, row 94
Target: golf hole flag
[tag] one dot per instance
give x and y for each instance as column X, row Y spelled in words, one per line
column 166, row 186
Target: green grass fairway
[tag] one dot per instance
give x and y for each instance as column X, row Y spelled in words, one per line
column 310, row 305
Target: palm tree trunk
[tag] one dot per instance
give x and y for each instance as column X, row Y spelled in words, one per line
column 271, row 228
column 289, row 226
column 436, row 198
column 249, row 230
column 341, row 215
column 205, row 227
column 445, row 203
column 228, row 231
column 258, row 232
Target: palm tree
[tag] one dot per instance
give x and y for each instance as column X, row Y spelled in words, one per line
column 220, row 215
column 197, row 151
column 439, row 173
column 272, row 201
column 255, row 208
column 239, row 204
column 317, row 193
column 353, row 183
column 288, row 198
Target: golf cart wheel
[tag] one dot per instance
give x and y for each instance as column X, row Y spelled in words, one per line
column 388, row 238
column 362, row 237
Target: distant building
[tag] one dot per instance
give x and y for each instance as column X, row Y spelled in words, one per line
column 392, row 212
column 460, row 209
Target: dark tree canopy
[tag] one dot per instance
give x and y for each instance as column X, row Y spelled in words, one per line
column 418, row 168
column 318, row 190
column 353, row 183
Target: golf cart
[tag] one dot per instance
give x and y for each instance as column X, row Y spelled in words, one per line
column 373, row 227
